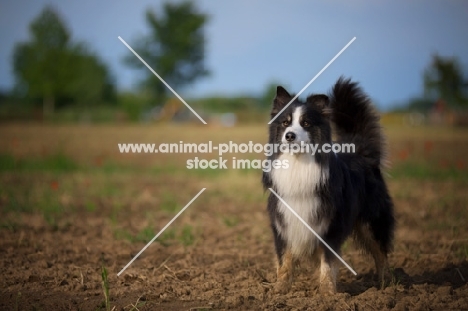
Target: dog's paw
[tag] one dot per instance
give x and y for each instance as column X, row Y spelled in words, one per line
column 282, row 287
column 327, row 289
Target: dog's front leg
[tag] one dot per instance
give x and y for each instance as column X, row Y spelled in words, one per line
column 284, row 272
column 328, row 272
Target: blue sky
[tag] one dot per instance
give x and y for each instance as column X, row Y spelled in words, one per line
column 253, row 43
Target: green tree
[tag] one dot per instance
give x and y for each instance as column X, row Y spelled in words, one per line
column 91, row 82
column 269, row 93
column 50, row 66
column 41, row 65
column 444, row 79
column 174, row 48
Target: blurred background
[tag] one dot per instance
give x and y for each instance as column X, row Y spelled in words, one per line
column 70, row 91
column 63, row 61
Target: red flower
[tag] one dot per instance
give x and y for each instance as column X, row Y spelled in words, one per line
column 403, row 154
column 54, row 185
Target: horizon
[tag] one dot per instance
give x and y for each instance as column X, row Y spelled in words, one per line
column 249, row 40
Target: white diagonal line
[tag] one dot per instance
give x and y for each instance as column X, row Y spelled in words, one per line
column 313, row 79
column 159, row 233
column 162, row 80
column 313, row 231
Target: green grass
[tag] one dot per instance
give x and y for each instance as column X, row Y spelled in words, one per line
column 209, row 172
column 9, row 225
column 186, row 237
column 17, row 198
column 105, row 288
column 58, row 162
column 231, row 221
column 145, row 235
column 27, row 198
column 424, row 171
column 167, row 237
column 90, row 206
column 169, row 203
column 61, row 163
column 123, row 234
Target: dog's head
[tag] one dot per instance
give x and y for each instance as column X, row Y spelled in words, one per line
column 301, row 122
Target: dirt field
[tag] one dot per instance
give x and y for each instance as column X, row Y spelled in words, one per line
column 71, row 206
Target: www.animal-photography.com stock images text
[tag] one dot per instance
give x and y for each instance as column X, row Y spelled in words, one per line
column 233, row 155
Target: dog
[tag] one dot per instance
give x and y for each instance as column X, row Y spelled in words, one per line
column 338, row 194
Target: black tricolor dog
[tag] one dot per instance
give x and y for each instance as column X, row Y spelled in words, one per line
column 337, row 194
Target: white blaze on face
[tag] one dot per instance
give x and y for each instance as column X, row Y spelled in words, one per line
column 297, row 185
column 296, row 128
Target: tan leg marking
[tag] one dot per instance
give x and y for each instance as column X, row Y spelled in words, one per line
column 328, row 273
column 284, row 273
column 365, row 238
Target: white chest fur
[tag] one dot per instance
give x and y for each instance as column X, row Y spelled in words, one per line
column 296, row 185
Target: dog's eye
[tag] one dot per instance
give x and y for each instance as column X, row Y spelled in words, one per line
column 285, row 123
column 305, row 124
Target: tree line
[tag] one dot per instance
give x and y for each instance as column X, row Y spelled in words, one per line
column 54, row 70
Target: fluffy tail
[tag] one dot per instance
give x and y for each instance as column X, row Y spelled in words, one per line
column 356, row 121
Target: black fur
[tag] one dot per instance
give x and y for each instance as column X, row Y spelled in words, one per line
column 355, row 195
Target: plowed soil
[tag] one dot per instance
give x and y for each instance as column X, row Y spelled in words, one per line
column 71, row 206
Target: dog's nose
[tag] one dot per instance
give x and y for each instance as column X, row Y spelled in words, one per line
column 290, row 136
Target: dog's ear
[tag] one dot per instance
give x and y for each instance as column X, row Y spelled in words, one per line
column 321, row 102
column 281, row 99
column 281, row 93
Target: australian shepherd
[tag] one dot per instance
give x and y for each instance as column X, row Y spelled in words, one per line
column 338, row 194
